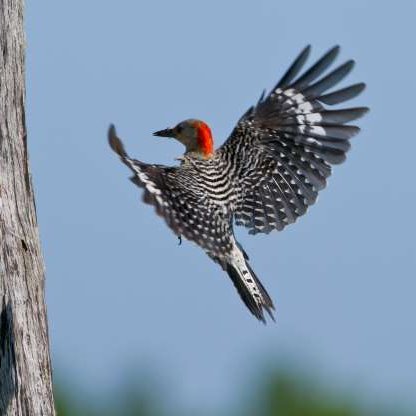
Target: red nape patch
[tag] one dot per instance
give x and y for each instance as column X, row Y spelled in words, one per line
column 205, row 142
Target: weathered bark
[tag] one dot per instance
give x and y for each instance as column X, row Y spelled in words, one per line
column 25, row 369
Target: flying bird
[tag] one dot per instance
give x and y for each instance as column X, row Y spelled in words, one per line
column 265, row 175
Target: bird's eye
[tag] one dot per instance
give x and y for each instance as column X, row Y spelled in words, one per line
column 179, row 129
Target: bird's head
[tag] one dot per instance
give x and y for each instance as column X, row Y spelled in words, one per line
column 195, row 135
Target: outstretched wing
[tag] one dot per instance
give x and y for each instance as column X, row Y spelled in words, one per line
column 286, row 144
column 186, row 211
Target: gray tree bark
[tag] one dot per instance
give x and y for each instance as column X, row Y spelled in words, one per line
column 25, row 368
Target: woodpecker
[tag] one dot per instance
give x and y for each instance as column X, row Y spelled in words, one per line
column 266, row 174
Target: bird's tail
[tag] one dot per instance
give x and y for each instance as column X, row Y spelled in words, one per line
column 249, row 287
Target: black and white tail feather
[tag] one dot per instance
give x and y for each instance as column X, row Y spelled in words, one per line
column 277, row 158
column 248, row 285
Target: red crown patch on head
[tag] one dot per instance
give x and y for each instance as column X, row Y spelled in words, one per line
column 205, row 142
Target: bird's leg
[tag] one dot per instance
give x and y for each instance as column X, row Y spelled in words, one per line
column 180, row 239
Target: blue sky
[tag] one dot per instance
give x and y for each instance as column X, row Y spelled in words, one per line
column 121, row 293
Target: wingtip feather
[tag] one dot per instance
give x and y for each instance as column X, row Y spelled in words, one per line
column 115, row 143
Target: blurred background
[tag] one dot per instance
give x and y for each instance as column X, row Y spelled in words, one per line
column 141, row 326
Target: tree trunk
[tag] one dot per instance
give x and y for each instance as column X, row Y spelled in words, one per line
column 25, row 369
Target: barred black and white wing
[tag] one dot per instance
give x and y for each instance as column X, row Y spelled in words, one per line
column 286, row 144
column 185, row 208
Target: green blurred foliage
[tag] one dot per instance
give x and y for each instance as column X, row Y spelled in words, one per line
column 280, row 393
column 289, row 395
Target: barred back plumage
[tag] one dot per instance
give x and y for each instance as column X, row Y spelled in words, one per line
column 266, row 175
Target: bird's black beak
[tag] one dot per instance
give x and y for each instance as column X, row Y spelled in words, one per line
column 165, row 133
